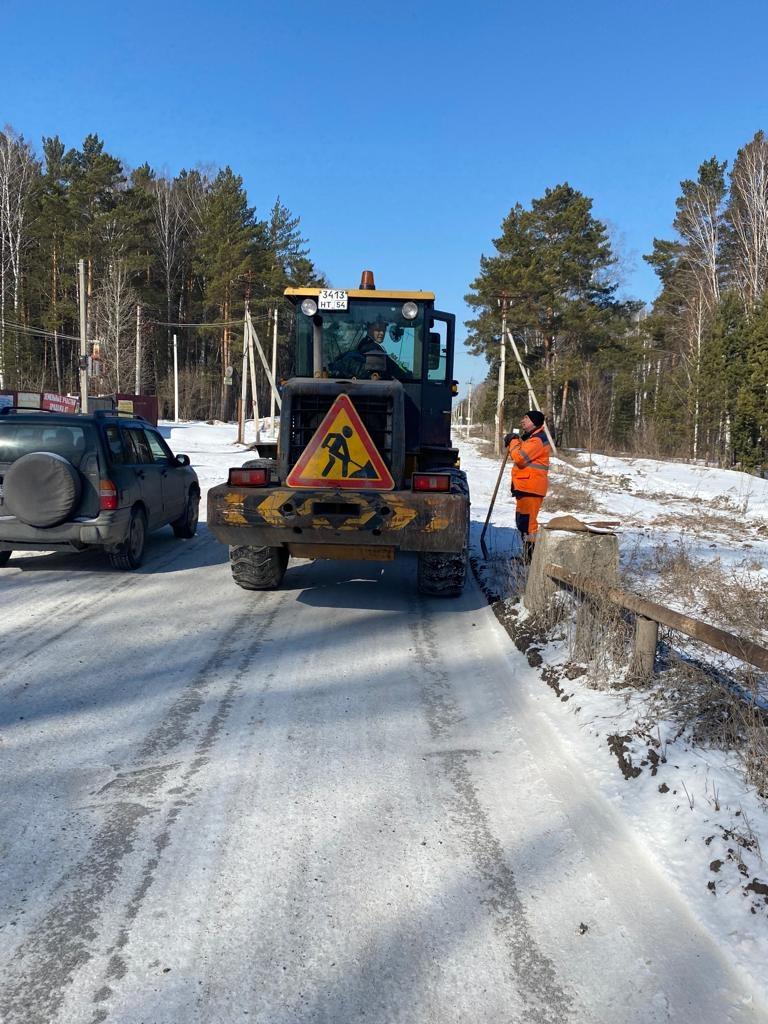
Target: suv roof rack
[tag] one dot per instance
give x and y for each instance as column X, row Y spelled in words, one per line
column 6, row 410
column 103, row 413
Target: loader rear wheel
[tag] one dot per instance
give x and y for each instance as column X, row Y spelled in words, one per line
column 258, row 568
column 440, row 573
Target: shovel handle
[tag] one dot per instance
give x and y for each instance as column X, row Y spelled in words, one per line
column 483, row 548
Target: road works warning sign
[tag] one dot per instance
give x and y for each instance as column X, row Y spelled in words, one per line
column 341, row 454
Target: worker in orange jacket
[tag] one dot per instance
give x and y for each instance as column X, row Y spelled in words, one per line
column 529, row 452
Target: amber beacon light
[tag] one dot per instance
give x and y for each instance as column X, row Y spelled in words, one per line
column 366, row 281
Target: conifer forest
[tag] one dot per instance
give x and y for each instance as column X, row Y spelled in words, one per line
column 685, row 376
column 163, row 255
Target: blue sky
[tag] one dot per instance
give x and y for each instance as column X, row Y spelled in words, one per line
column 402, row 134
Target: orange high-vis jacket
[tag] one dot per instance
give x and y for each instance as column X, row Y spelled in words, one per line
column 530, row 463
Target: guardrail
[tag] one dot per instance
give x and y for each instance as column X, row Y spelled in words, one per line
column 648, row 617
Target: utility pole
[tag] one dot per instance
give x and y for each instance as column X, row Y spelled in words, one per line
column 469, row 409
column 83, row 340
column 175, row 381
column 243, row 387
column 137, row 387
column 274, row 376
column 252, row 364
column 503, row 301
column 531, row 393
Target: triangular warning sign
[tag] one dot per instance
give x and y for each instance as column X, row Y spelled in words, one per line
column 341, row 454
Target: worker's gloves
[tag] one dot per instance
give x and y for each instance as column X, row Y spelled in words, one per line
column 508, row 438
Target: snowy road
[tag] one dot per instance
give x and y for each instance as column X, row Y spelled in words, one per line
column 334, row 803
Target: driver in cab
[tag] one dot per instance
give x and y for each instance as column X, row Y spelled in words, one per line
column 368, row 359
column 373, row 342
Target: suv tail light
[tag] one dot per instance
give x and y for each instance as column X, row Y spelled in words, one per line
column 107, row 496
column 248, row 477
column 431, row 482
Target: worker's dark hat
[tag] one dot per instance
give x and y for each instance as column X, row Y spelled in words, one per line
column 536, row 417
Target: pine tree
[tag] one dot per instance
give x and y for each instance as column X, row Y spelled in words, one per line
column 554, row 268
column 227, row 249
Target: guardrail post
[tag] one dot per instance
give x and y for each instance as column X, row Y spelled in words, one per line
column 644, row 649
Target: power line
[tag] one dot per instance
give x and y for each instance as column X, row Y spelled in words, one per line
column 215, row 323
column 38, row 331
column 41, row 332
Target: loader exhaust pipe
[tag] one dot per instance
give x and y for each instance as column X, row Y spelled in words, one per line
column 317, row 346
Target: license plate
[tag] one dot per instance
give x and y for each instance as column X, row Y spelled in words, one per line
column 332, row 298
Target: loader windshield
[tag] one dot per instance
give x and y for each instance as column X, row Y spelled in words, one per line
column 368, row 339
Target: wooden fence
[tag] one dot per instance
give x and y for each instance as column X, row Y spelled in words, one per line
column 648, row 617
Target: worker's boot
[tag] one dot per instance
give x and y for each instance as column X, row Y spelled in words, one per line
column 528, row 546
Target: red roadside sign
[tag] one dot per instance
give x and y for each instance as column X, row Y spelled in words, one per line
column 59, row 403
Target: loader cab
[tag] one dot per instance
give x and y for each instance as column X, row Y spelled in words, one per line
column 381, row 336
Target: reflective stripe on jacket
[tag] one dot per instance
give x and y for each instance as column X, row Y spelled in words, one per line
column 530, row 463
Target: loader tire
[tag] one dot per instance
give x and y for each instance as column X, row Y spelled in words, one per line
column 441, row 573
column 258, row 568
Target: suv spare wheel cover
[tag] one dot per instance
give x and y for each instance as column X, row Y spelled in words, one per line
column 41, row 489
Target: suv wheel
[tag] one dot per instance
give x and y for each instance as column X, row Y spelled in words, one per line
column 5, row 557
column 186, row 525
column 130, row 553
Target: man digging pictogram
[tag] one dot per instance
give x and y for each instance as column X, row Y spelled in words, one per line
column 338, row 451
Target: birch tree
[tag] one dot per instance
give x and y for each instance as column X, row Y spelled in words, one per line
column 748, row 221
column 691, row 270
column 114, row 317
column 19, row 174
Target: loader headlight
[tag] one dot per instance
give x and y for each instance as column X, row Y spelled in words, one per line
column 309, row 307
column 410, row 310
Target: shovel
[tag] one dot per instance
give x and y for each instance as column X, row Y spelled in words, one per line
column 483, row 548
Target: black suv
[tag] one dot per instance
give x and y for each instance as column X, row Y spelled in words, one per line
column 76, row 481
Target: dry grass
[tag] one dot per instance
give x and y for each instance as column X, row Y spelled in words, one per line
column 713, row 698
column 599, row 640
column 730, row 597
column 713, row 706
column 567, row 493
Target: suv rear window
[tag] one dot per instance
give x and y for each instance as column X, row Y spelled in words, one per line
column 139, row 452
column 17, row 439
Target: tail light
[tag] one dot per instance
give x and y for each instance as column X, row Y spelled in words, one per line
column 431, row 482
column 248, row 477
column 107, row 496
